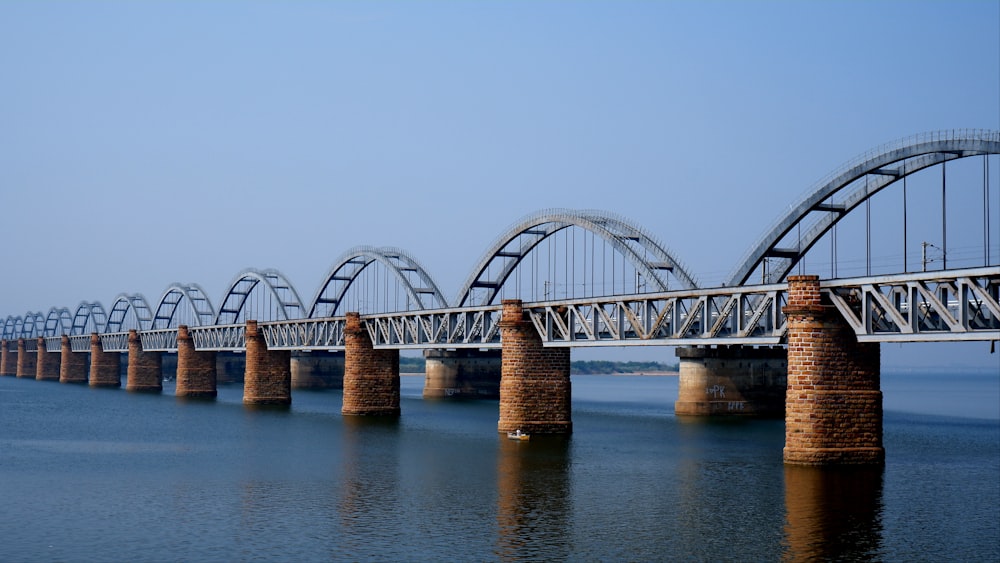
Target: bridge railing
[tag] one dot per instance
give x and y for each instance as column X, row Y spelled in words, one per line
column 79, row 343
column 53, row 344
column 304, row 334
column 467, row 327
column 927, row 307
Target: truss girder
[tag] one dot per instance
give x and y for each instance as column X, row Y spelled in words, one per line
column 135, row 302
column 79, row 343
column 471, row 327
column 910, row 155
column 31, row 345
column 510, row 248
column 349, row 266
column 938, row 306
column 89, row 317
column 305, row 334
column 289, row 305
column 114, row 341
column 230, row 338
column 159, row 340
column 58, row 322
column 53, row 344
column 190, row 293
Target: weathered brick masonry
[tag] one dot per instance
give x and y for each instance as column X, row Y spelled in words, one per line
column 8, row 359
column 535, row 389
column 105, row 367
column 833, row 404
column 47, row 365
column 26, row 361
column 371, row 377
column 268, row 377
column 145, row 369
column 74, row 366
column 195, row 370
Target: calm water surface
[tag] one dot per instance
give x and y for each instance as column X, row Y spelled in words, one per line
column 106, row 475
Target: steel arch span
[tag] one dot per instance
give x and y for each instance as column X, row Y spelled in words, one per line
column 882, row 167
column 353, row 262
column 198, row 303
column 629, row 239
column 89, row 317
column 12, row 327
column 58, row 322
column 31, row 325
column 135, row 302
column 286, row 299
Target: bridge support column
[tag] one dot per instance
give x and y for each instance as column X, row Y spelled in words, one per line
column 731, row 380
column 74, row 366
column 833, row 410
column 195, row 370
column 317, row 369
column 26, row 363
column 535, row 389
column 105, row 367
column 462, row 374
column 145, row 369
column 268, row 377
column 371, row 377
column 47, row 365
column 8, row 358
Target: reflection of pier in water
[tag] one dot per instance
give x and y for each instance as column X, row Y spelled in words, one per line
column 533, row 494
column 833, row 513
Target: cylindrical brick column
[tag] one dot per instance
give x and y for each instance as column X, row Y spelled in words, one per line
column 268, row 376
column 74, row 366
column 535, row 390
column 145, row 370
column 105, row 367
column 195, row 370
column 371, row 377
column 833, row 404
column 8, row 359
column 47, row 366
column 26, row 362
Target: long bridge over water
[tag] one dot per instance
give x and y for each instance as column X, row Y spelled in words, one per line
column 777, row 335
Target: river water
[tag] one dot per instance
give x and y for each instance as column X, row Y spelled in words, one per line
column 106, row 475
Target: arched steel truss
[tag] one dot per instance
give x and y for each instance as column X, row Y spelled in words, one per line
column 12, row 327
column 289, row 305
column 630, row 240
column 119, row 312
column 89, row 317
column 58, row 322
column 194, row 295
column 884, row 166
column 350, row 265
column 31, row 325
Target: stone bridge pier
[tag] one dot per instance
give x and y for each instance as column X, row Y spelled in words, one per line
column 195, row 370
column 833, row 405
column 73, row 366
column 26, row 363
column 371, row 377
column 535, row 389
column 105, row 367
column 268, row 377
column 145, row 369
column 8, row 358
column 48, row 364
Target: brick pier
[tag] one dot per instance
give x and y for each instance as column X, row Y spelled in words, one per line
column 105, row 367
column 74, row 366
column 195, row 370
column 8, row 359
column 535, row 388
column 268, row 377
column 26, row 363
column 145, row 369
column 47, row 366
column 371, row 377
column 833, row 405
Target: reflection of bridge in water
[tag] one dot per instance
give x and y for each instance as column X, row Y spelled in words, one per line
column 770, row 339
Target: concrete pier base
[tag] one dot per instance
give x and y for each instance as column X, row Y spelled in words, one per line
column 26, row 361
column 371, row 377
column 462, row 374
column 732, row 381
column 48, row 363
column 105, row 367
column 317, row 369
column 195, row 370
column 535, row 389
column 74, row 367
column 145, row 369
column 268, row 378
column 833, row 413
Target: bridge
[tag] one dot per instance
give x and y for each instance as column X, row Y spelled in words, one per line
column 560, row 279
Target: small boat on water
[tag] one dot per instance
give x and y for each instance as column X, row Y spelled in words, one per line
column 518, row 435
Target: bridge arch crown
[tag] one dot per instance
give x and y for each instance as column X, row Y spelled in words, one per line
column 653, row 264
column 89, row 317
column 815, row 215
column 129, row 311
column 280, row 300
column 170, row 314
column 356, row 269
column 58, row 322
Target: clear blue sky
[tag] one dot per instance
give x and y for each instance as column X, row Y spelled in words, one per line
column 143, row 143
